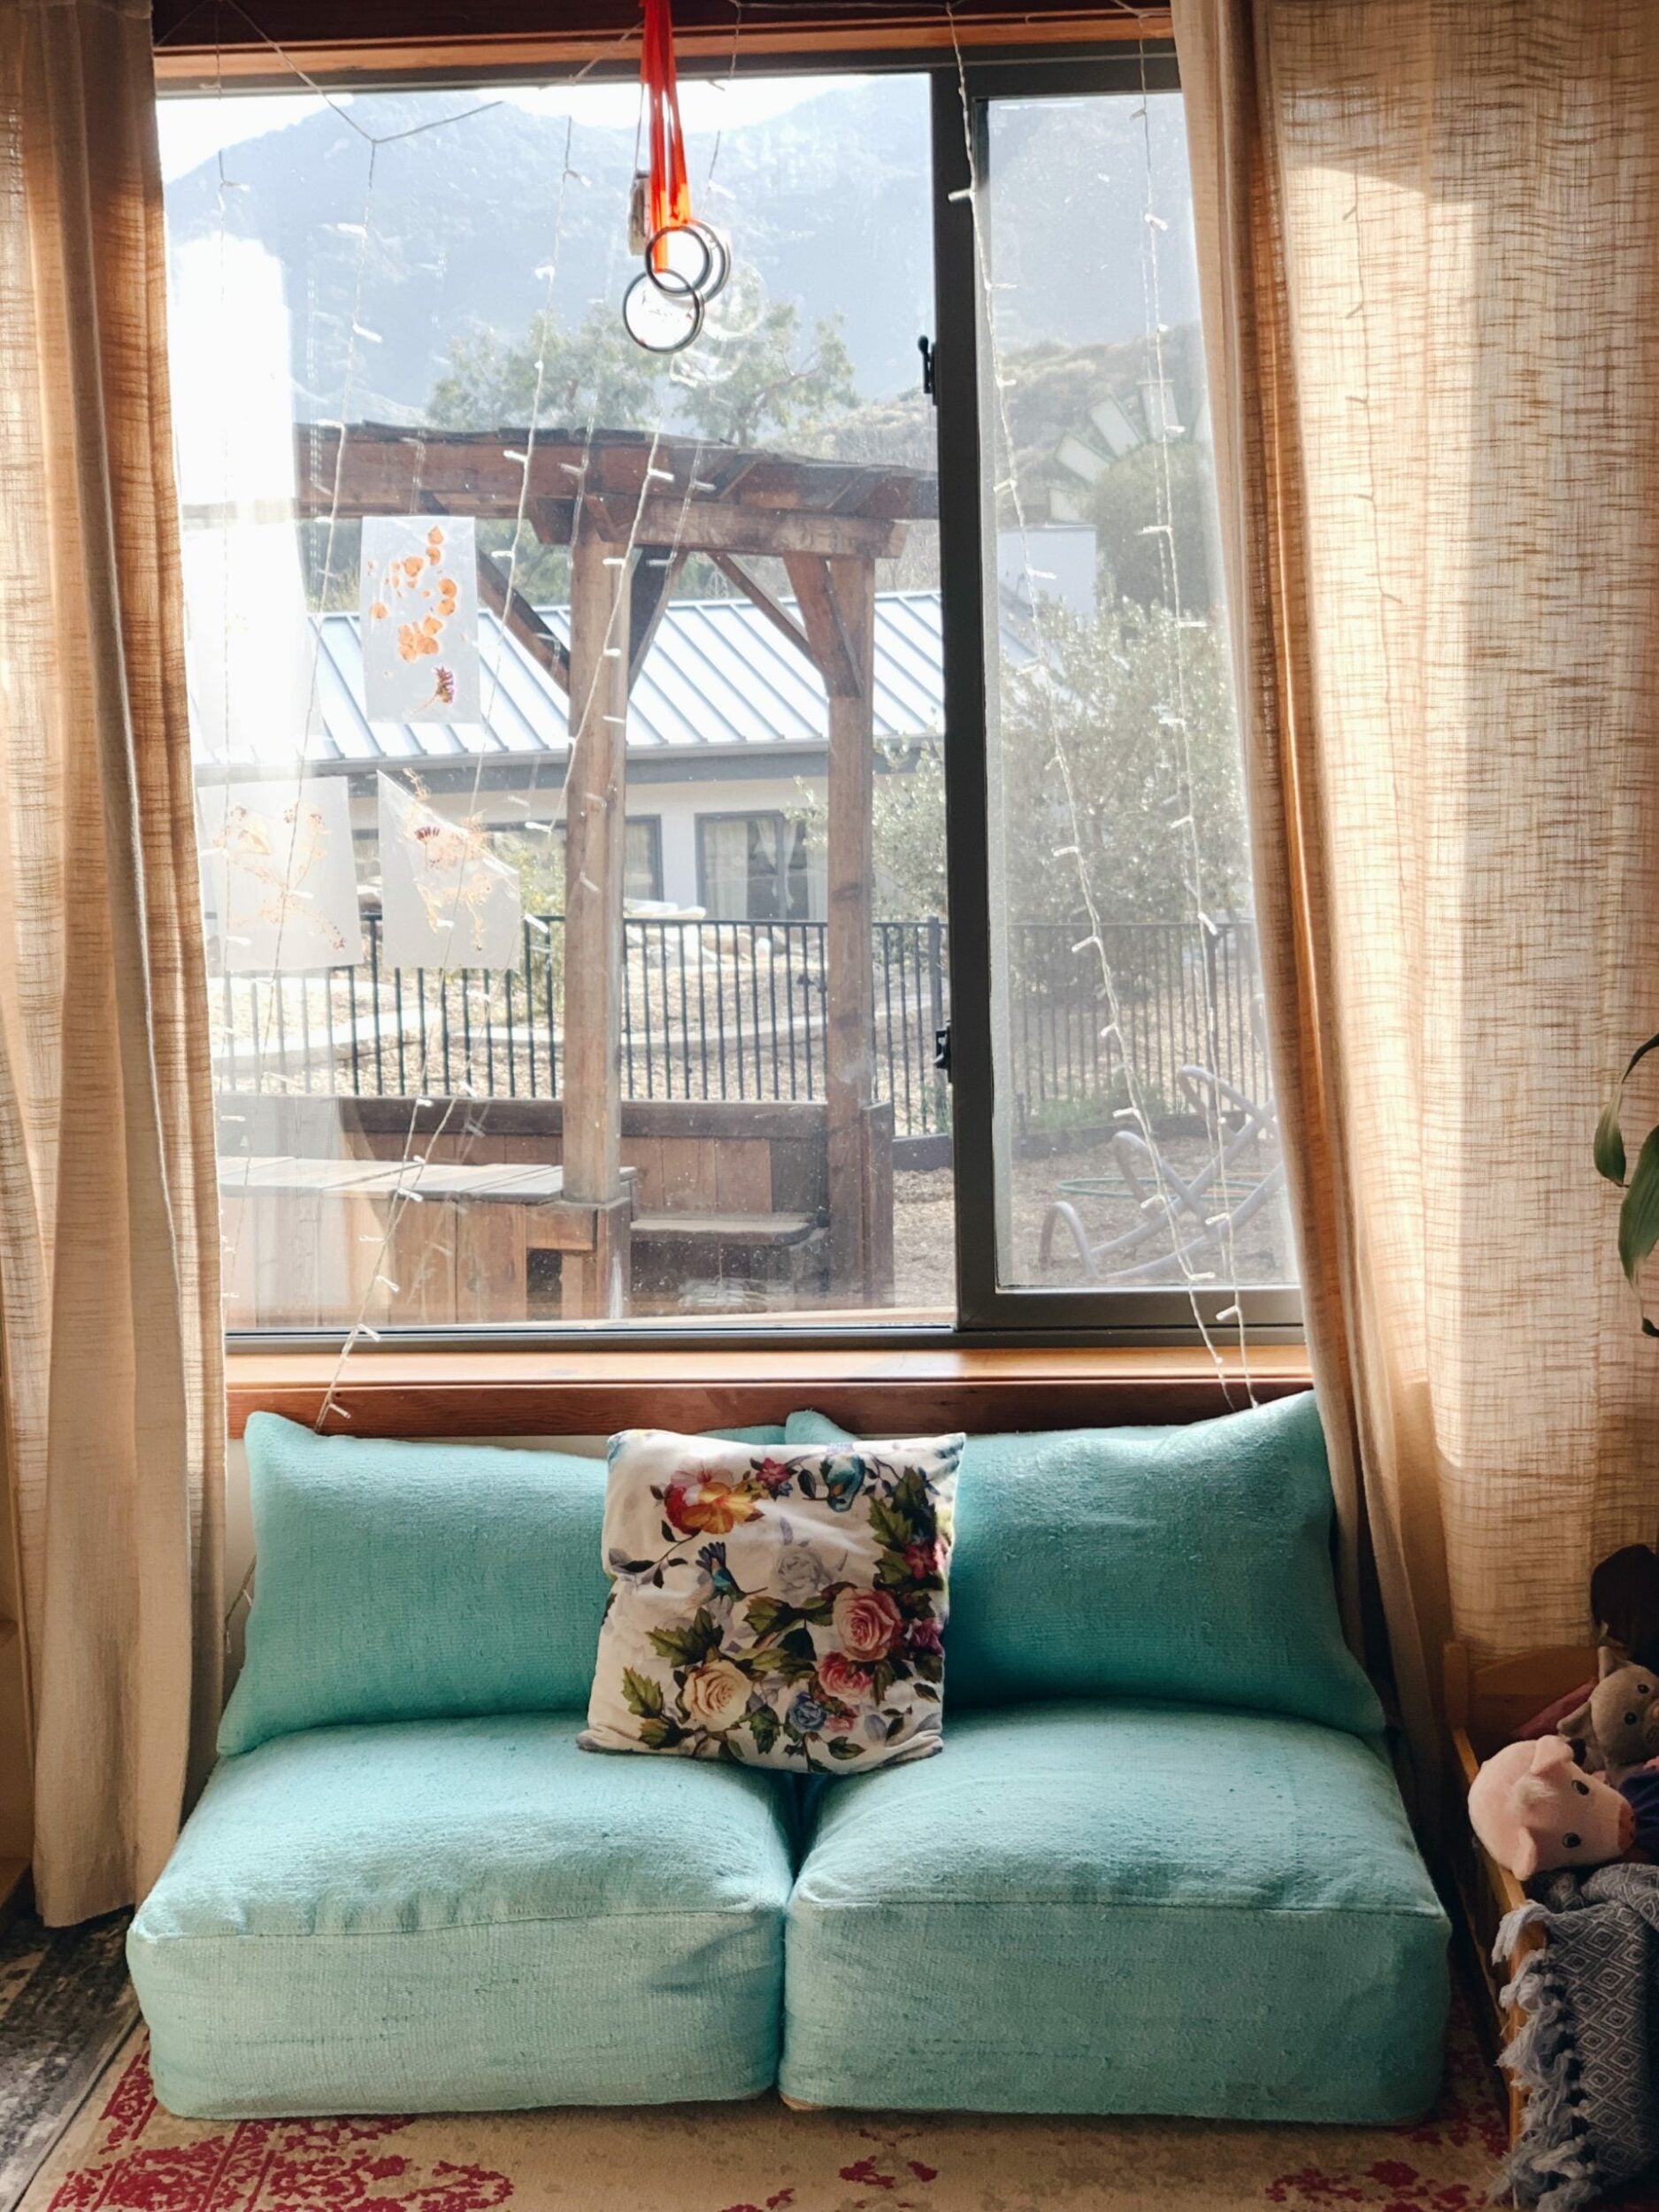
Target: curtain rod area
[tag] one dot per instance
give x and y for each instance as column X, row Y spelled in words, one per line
column 200, row 42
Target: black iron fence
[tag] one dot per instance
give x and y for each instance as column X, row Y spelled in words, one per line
column 737, row 1010
column 1151, row 996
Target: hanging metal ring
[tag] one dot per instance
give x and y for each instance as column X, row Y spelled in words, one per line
column 660, row 316
column 675, row 272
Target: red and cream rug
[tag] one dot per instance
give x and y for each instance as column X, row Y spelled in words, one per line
column 124, row 2153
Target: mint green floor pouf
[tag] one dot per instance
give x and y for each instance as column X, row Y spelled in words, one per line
column 464, row 1915
column 1118, row 1908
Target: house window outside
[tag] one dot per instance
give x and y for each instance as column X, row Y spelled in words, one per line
column 420, row 1118
column 752, row 868
column 643, row 864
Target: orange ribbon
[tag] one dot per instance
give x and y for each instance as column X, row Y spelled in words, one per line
column 670, row 192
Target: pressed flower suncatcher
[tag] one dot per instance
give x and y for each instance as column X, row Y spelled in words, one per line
column 778, row 1608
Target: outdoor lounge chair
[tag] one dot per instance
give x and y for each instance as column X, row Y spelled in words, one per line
column 1200, row 1215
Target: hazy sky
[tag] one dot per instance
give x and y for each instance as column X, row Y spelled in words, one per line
column 195, row 127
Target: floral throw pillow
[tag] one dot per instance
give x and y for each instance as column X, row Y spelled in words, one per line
column 781, row 1608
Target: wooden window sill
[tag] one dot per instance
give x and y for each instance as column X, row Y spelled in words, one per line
column 585, row 1392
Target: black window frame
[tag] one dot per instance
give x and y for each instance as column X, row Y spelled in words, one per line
column 967, row 542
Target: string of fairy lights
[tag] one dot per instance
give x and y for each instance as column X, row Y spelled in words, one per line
column 1074, row 852
column 687, row 265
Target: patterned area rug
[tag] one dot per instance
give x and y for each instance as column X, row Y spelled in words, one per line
column 125, row 2154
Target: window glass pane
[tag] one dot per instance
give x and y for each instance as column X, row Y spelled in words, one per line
column 1135, row 1134
column 416, row 1038
column 642, row 879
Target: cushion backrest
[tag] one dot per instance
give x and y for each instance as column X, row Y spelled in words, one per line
column 416, row 1581
column 1191, row 1564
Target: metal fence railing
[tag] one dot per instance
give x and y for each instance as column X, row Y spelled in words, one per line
column 737, row 1010
column 1180, row 993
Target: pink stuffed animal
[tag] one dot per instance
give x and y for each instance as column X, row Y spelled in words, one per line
column 1533, row 1809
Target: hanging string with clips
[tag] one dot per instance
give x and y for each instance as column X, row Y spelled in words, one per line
column 686, row 262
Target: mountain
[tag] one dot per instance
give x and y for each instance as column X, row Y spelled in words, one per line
column 404, row 220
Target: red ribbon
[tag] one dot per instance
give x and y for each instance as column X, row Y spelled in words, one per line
column 670, row 193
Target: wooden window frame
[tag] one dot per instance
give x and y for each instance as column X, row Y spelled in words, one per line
column 210, row 43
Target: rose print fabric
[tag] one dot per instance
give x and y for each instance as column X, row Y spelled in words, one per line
column 781, row 1608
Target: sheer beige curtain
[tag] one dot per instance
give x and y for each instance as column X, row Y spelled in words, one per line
column 110, row 1342
column 1429, row 242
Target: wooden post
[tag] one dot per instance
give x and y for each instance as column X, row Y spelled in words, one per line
column 594, row 1282
column 837, row 600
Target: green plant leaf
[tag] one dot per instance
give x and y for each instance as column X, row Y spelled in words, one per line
column 840, row 1749
column 640, row 1694
column 704, row 1635
column 1639, row 1216
column 1609, row 1142
column 769, row 1616
column 688, row 1647
column 763, row 1726
column 890, row 1524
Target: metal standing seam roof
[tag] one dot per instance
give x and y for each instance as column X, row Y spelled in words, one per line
column 718, row 674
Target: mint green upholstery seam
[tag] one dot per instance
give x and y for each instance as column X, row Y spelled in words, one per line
column 1025, row 1902
column 456, row 1927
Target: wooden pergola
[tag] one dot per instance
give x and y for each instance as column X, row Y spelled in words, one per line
column 633, row 508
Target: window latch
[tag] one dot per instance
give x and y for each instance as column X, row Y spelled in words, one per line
column 929, row 353
column 941, row 1051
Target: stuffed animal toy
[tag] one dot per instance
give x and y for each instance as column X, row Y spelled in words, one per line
column 1534, row 1810
column 1616, row 1728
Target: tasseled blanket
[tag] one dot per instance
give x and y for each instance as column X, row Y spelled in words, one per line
column 1586, row 2054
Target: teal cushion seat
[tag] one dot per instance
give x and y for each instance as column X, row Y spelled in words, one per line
column 464, row 1915
column 409, row 1581
column 1118, row 1908
column 1191, row 1563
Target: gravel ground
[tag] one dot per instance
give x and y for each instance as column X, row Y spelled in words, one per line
column 923, row 1234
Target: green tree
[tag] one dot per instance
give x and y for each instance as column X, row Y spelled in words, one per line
column 1108, row 706
column 1153, row 486
column 907, row 828
column 594, row 374
column 908, row 832
column 1131, row 712
column 775, row 388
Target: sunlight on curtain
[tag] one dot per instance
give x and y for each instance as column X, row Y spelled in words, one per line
column 110, row 1337
column 1431, row 266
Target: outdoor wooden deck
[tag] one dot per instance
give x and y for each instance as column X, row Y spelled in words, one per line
column 312, row 1242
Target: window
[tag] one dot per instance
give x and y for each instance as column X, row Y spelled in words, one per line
column 752, row 868
column 642, row 866
column 611, row 771
column 1117, row 1105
